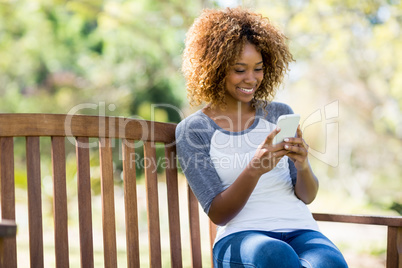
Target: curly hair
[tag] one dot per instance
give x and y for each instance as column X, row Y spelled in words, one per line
column 215, row 41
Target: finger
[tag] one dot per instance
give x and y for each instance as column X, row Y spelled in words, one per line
column 294, row 140
column 269, row 153
column 271, row 136
column 277, row 147
column 280, row 153
column 299, row 132
column 296, row 149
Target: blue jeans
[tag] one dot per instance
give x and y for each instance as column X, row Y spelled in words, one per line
column 302, row 248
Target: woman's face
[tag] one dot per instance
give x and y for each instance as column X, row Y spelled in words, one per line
column 244, row 76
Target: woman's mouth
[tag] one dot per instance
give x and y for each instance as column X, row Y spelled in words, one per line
column 246, row 90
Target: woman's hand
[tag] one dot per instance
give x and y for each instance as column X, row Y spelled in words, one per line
column 306, row 184
column 268, row 155
column 297, row 150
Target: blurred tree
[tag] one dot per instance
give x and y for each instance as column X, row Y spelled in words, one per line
column 348, row 51
column 121, row 57
column 64, row 53
column 124, row 57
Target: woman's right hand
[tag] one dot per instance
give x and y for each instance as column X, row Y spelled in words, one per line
column 267, row 155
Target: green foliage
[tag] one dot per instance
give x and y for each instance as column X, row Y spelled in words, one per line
column 397, row 207
column 73, row 52
column 123, row 57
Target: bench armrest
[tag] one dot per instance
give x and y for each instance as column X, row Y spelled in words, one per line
column 7, row 228
column 395, row 221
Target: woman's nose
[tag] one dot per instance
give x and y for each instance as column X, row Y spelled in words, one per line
column 250, row 77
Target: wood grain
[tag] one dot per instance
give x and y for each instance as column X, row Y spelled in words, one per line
column 84, row 202
column 60, row 202
column 173, row 206
column 108, row 211
column 394, row 247
column 130, row 202
column 34, row 202
column 15, row 125
column 8, row 229
column 195, row 236
column 8, row 197
column 34, row 126
column 151, row 185
column 359, row 219
column 212, row 236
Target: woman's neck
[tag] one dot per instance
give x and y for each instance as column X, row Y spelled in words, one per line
column 233, row 119
column 231, row 109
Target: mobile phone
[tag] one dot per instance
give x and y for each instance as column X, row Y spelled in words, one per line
column 288, row 124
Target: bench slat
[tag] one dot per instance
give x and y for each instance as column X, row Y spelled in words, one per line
column 394, row 247
column 173, row 206
column 212, row 234
column 108, row 212
column 8, row 197
column 8, row 229
column 195, row 235
column 151, row 185
column 130, row 201
column 84, row 202
column 60, row 201
column 34, row 202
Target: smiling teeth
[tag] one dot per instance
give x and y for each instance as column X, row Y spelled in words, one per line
column 247, row 90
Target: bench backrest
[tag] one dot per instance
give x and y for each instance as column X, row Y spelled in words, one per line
column 102, row 133
column 87, row 132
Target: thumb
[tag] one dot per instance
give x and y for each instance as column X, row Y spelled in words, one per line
column 269, row 139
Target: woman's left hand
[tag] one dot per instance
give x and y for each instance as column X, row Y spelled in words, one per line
column 298, row 150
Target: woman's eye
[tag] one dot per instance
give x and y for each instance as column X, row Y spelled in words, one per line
column 239, row 71
column 258, row 70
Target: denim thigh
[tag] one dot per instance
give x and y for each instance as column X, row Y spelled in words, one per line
column 302, row 248
column 254, row 249
column 315, row 250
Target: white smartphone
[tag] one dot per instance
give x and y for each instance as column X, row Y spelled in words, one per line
column 288, row 124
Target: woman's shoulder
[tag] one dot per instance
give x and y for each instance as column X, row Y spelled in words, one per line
column 273, row 110
column 195, row 126
column 278, row 108
column 194, row 121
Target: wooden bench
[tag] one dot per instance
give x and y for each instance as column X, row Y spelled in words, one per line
column 7, row 229
column 102, row 132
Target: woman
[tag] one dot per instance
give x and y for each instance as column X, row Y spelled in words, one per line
column 256, row 191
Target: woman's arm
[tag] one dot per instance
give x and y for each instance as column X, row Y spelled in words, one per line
column 226, row 205
column 306, row 187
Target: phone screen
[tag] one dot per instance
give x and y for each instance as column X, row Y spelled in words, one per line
column 288, row 124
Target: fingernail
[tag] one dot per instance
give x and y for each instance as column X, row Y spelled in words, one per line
column 278, row 128
column 286, row 139
column 286, row 147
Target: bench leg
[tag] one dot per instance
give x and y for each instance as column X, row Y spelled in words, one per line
column 394, row 247
column 1, row 253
